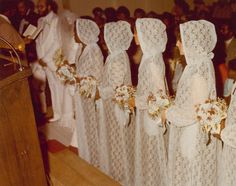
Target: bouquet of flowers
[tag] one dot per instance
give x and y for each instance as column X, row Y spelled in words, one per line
column 123, row 95
column 157, row 103
column 66, row 73
column 87, row 86
column 211, row 114
column 58, row 57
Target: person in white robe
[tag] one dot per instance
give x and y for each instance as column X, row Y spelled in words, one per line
column 47, row 43
column 117, row 148
column 227, row 170
column 71, row 51
column 190, row 161
column 150, row 151
column 90, row 63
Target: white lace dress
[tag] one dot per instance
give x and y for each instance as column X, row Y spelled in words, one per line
column 90, row 63
column 190, row 161
column 150, row 151
column 228, row 156
column 117, row 147
column 70, row 50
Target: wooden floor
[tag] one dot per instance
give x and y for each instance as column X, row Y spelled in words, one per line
column 67, row 169
column 65, row 166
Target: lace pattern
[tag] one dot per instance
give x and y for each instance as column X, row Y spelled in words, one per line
column 87, row 31
column 228, row 135
column 117, row 72
column 118, row 36
column 150, row 151
column 152, row 35
column 191, row 162
column 90, row 63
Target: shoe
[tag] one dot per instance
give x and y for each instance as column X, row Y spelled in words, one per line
column 55, row 118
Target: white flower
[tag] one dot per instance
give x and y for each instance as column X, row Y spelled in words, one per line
column 87, row 87
column 122, row 96
column 157, row 103
column 66, row 73
column 210, row 115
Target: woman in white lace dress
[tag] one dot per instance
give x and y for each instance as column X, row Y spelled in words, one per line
column 69, row 49
column 190, row 161
column 90, row 63
column 119, row 140
column 228, row 135
column 150, row 151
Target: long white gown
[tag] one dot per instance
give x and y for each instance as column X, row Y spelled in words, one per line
column 117, row 148
column 228, row 135
column 150, row 151
column 90, row 63
column 47, row 43
column 191, row 162
column 70, row 50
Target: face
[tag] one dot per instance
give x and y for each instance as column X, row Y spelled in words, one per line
column 21, row 9
column 180, row 47
column 121, row 16
column 42, row 8
column 226, row 32
column 136, row 37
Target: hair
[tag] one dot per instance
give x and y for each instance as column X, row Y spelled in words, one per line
column 97, row 9
column 152, row 14
column 53, row 5
column 183, row 5
column 87, row 17
column 123, row 10
column 140, row 11
column 110, row 14
column 6, row 6
column 232, row 64
column 28, row 4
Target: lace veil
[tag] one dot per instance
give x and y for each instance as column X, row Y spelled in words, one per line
column 199, row 39
column 153, row 38
column 91, row 59
column 196, row 85
column 87, row 31
column 228, row 134
column 198, row 80
column 69, row 47
column 152, row 35
column 118, row 36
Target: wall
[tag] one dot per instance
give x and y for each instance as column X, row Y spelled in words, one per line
column 85, row 7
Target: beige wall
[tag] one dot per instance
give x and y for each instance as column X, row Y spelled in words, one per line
column 85, row 7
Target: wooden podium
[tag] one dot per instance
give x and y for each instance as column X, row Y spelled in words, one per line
column 20, row 156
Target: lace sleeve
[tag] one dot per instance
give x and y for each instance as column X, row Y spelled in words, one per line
column 199, row 89
column 185, row 116
column 97, row 59
column 116, row 76
column 155, row 82
column 228, row 135
column 157, row 78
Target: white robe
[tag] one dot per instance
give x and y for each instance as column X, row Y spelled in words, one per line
column 119, row 142
column 90, row 64
column 150, row 150
column 227, row 170
column 190, row 161
column 71, row 50
column 47, row 43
